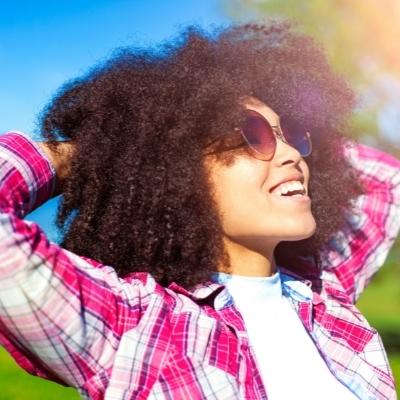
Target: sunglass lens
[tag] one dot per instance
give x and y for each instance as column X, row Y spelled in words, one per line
column 296, row 136
column 259, row 134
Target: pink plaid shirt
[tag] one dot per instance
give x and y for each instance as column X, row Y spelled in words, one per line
column 72, row 320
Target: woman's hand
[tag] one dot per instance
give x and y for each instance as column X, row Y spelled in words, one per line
column 60, row 156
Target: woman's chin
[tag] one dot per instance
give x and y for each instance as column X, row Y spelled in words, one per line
column 302, row 232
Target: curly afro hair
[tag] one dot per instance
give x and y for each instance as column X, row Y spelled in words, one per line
column 138, row 197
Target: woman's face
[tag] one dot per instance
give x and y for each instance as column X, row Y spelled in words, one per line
column 251, row 214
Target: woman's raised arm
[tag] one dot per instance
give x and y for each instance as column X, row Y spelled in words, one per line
column 60, row 317
column 60, row 156
column 356, row 253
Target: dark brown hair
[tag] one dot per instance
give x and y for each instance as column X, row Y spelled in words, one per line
column 138, row 197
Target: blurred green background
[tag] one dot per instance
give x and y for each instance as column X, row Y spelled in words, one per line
column 362, row 41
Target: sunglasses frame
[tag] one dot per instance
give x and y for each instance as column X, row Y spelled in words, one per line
column 277, row 133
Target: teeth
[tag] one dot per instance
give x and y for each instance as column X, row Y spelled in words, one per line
column 286, row 187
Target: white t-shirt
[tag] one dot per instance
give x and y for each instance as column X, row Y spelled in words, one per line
column 290, row 364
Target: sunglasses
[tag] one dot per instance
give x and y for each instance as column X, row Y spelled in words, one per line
column 261, row 136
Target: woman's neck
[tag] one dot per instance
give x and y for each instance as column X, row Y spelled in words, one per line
column 249, row 262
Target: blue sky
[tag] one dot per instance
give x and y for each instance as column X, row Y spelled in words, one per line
column 45, row 43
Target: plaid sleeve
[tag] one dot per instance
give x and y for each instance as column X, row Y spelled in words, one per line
column 356, row 252
column 60, row 317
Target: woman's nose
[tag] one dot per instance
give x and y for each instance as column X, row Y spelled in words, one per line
column 285, row 153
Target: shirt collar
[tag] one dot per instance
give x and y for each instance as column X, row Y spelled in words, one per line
column 298, row 289
column 200, row 292
column 293, row 286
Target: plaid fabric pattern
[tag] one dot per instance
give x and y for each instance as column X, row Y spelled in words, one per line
column 72, row 320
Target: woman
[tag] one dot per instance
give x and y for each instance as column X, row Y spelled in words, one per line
column 218, row 227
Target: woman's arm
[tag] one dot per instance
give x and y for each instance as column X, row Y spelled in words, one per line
column 356, row 252
column 60, row 317
column 60, row 156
